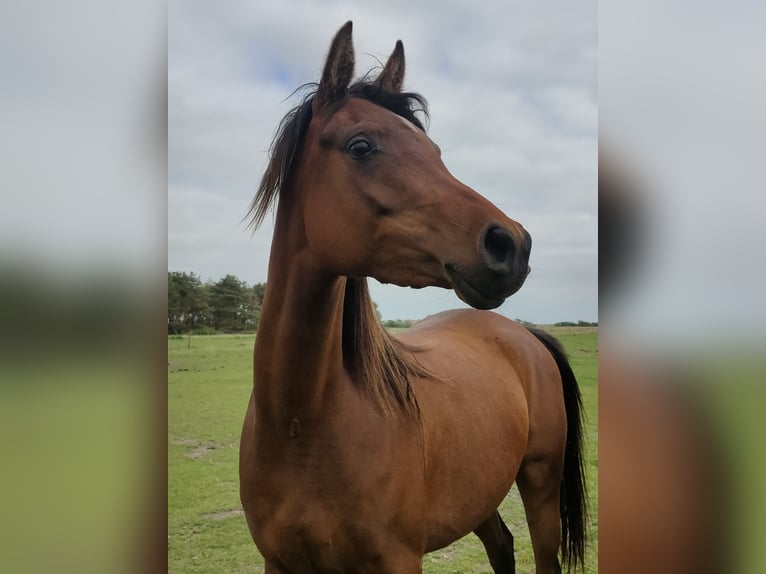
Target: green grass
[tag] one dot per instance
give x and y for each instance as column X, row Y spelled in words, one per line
column 208, row 389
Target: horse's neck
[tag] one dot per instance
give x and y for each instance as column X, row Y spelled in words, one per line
column 298, row 350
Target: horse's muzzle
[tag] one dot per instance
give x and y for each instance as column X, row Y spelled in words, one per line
column 502, row 268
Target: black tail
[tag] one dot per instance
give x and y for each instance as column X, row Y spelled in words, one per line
column 573, row 495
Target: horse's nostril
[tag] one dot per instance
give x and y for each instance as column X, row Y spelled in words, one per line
column 499, row 245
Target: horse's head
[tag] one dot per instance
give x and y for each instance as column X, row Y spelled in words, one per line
column 377, row 201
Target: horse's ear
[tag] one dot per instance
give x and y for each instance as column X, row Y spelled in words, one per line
column 338, row 69
column 392, row 76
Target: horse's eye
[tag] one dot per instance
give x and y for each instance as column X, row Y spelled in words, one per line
column 359, row 148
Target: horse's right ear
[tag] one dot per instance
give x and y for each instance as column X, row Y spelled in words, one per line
column 338, row 69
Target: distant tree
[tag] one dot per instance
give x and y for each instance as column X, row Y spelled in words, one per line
column 398, row 323
column 525, row 323
column 573, row 324
column 233, row 305
column 188, row 306
column 377, row 312
column 257, row 292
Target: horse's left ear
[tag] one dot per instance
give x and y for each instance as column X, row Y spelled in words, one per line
column 392, row 76
column 338, row 69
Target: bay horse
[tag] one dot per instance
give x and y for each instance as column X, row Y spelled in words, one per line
column 361, row 451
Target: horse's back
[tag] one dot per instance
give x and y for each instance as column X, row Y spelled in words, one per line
column 461, row 344
column 496, row 391
column 484, row 348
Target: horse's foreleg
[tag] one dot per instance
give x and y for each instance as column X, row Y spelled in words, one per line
column 539, row 484
column 498, row 542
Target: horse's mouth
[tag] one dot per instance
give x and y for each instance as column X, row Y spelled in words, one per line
column 470, row 293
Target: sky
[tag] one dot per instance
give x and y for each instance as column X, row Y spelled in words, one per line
column 682, row 112
column 512, row 91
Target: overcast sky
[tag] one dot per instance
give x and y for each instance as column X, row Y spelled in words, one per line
column 512, row 94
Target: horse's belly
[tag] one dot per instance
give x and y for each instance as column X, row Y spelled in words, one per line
column 475, row 446
column 461, row 499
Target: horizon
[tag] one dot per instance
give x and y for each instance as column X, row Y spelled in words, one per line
column 210, row 281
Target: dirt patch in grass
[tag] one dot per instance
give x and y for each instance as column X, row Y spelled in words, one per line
column 201, row 450
column 224, row 514
column 197, row 449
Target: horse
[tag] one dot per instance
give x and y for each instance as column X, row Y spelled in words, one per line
column 361, row 451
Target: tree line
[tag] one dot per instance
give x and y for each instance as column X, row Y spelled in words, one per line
column 225, row 306
column 232, row 306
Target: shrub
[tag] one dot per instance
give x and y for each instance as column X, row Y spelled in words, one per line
column 204, row 330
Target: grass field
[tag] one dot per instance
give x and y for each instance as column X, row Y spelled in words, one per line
column 208, row 389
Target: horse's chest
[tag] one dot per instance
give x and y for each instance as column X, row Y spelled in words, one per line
column 296, row 512
column 329, row 499
column 325, row 517
column 305, row 534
